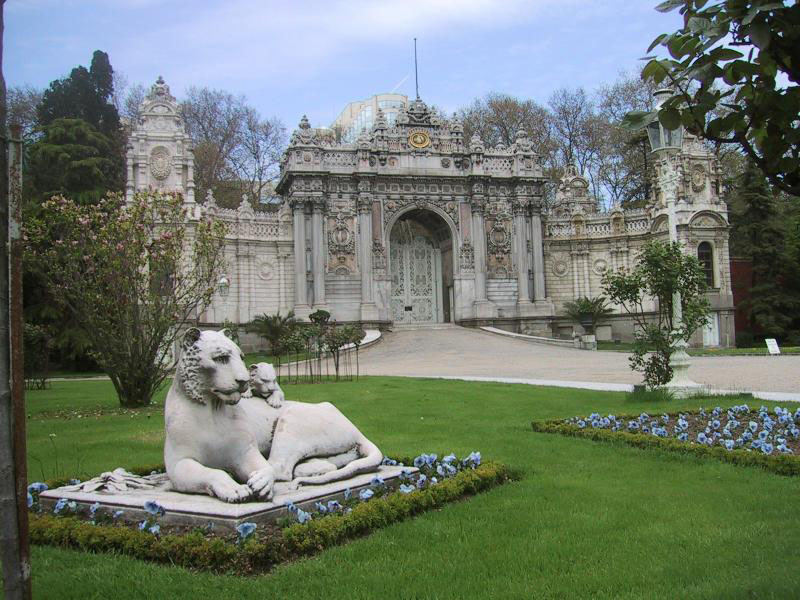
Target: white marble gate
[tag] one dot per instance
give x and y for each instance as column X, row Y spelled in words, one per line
column 416, row 276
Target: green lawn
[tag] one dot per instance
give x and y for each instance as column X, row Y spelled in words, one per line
column 587, row 519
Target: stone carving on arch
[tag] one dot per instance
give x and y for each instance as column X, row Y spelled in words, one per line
column 394, row 207
column 707, row 219
column 660, row 223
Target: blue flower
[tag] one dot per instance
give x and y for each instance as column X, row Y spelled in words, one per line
column 701, row 438
column 74, row 481
column 581, row 423
column 715, row 423
column 434, row 481
column 405, row 489
column 753, row 426
column 474, row 458
column 303, row 516
column 293, row 509
column 665, row 418
column 37, row 487
column 30, row 500
column 644, row 417
column 766, row 448
column 117, row 514
column 729, row 444
column 633, row 425
column 154, row 529
column 333, row 506
column 152, row 507
column 366, row 494
column 645, row 429
column 245, row 530
column 377, row 481
column 449, row 458
column 347, row 494
column 93, row 509
column 747, row 436
column 421, row 481
column 419, row 461
column 321, row 507
column 431, row 458
column 388, row 461
column 143, row 525
column 60, row 505
column 683, row 436
column 763, row 434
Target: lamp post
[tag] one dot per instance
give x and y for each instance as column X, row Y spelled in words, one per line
column 666, row 145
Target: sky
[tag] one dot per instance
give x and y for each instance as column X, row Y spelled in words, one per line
column 290, row 58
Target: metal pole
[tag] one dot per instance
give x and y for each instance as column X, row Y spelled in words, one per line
column 416, row 75
column 14, row 547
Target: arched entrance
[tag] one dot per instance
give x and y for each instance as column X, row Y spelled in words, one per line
column 421, row 265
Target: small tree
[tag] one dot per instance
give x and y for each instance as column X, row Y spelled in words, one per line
column 275, row 329
column 588, row 311
column 131, row 274
column 663, row 269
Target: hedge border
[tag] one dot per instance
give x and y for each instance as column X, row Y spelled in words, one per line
column 196, row 552
column 782, row 464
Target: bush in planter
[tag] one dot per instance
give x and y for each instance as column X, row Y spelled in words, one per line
column 588, row 312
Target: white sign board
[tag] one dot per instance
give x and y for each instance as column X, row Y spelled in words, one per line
column 772, row 346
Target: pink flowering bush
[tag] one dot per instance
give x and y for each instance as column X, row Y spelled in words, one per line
column 131, row 273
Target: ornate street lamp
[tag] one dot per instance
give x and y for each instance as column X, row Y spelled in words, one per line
column 666, row 145
column 223, row 285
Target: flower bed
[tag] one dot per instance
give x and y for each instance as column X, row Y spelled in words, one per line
column 738, row 434
column 255, row 549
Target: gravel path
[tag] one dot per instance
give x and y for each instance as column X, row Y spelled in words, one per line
column 459, row 351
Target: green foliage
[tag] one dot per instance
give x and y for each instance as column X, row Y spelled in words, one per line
column 661, row 272
column 231, row 329
column 276, row 329
column 258, row 555
column 734, row 69
column 86, row 94
column 37, row 346
column 72, row 159
column 131, row 275
column 590, row 311
column 781, row 464
column 761, row 231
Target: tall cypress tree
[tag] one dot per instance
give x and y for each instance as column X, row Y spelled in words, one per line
column 758, row 227
column 87, row 95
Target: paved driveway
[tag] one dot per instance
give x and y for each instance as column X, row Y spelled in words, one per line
column 459, row 351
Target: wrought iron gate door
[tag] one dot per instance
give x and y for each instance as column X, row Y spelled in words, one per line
column 414, row 278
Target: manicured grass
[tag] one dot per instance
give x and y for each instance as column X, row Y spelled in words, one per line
column 760, row 350
column 588, row 519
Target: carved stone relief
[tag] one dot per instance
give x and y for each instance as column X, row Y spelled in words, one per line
column 341, row 244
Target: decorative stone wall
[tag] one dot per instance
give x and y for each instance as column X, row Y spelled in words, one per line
column 509, row 261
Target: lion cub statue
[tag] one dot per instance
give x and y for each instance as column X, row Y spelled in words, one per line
column 225, row 441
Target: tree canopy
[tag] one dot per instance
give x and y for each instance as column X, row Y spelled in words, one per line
column 734, row 68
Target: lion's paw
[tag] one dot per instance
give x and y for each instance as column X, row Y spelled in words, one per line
column 231, row 492
column 261, row 482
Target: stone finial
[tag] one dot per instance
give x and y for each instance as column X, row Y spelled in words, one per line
column 304, row 124
column 160, row 90
column 476, row 143
column 380, row 120
column 455, row 124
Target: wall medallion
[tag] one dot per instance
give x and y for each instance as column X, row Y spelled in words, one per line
column 160, row 164
column 419, row 139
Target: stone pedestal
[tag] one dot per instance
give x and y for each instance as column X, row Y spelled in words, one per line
column 197, row 510
column 681, row 386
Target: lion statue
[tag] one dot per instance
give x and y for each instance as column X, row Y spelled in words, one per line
column 233, row 443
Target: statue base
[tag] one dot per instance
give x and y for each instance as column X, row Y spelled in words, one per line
column 197, row 510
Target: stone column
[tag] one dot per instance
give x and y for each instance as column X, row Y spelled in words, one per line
column 318, row 250
column 369, row 311
column 484, row 308
column 479, row 250
column 301, row 306
column 521, row 252
column 539, row 293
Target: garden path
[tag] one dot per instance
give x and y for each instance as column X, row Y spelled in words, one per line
column 453, row 351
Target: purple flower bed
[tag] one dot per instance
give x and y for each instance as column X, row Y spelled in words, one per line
column 735, row 428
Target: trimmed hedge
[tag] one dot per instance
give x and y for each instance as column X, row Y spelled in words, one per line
column 781, row 464
column 253, row 556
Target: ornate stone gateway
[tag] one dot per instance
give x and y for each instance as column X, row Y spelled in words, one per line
column 416, row 275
